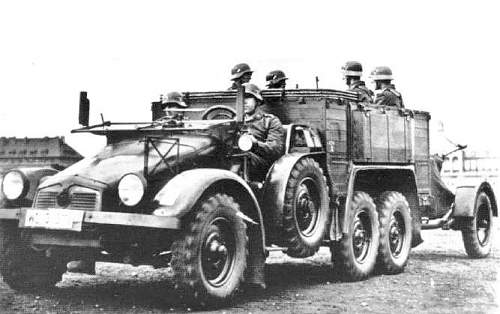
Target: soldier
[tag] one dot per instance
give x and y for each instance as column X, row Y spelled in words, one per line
column 172, row 100
column 276, row 79
column 352, row 71
column 240, row 74
column 266, row 131
column 387, row 95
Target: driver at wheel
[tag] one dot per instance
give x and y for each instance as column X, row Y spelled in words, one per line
column 172, row 100
column 266, row 133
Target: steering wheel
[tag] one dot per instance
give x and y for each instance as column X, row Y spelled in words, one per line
column 219, row 113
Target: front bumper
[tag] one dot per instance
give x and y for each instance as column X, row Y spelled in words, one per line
column 79, row 218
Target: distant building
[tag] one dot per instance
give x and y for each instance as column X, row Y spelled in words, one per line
column 46, row 151
column 462, row 168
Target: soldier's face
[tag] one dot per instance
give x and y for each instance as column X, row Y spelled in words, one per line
column 250, row 105
column 246, row 77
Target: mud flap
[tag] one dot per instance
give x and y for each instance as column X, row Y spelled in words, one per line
column 256, row 260
column 416, row 219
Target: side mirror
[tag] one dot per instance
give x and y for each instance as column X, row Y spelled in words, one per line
column 83, row 116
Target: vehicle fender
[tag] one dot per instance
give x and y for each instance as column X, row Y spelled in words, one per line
column 179, row 196
column 465, row 199
column 33, row 176
column 274, row 188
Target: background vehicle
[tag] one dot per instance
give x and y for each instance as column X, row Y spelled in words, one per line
column 354, row 177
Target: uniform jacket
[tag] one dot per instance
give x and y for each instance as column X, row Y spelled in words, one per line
column 268, row 131
column 366, row 95
column 389, row 96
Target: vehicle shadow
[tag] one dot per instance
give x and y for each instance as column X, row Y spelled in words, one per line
column 429, row 257
column 119, row 295
column 110, row 294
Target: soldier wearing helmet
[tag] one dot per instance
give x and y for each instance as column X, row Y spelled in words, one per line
column 266, row 131
column 352, row 71
column 276, row 79
column 240, row 74
column 171, row 101
column 387, row 95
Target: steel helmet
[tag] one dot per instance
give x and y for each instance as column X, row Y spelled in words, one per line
column 381, row 73
column 253, row 90
column 276, row 76
column 174, row 98
column 352, row 68
column 238, row 70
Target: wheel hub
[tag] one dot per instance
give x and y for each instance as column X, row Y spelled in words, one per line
column 396, row 234
column 306, row 206
column 361, row 237
column 218, row 252
column 483, row 225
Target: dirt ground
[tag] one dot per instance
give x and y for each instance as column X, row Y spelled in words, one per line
column 439, row 279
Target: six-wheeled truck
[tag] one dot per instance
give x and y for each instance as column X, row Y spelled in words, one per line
column 176, row 192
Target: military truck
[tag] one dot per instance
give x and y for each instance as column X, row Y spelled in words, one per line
column 175, row 192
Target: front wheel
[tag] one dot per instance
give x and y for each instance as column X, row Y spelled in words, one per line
column 22, row 267
column 476, row 233
column 395, row 232
column 355, row 255
column 210, row 258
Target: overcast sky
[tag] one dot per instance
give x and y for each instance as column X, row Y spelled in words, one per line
column 444, row 55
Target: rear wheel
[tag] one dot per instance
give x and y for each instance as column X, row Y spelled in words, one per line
column 476, row 233
column 354, row 256
column 22, row 267
column 210, row 259
column 306, row 212
column 395, row 232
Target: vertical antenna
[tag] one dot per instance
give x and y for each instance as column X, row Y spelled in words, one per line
column 296, row 86
column 317, row 82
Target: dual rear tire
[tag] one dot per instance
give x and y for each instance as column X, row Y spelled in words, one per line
column 378, row 237
column 395, row 232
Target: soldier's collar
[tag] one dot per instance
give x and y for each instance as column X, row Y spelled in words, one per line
column 358, row 83
column 255, row 116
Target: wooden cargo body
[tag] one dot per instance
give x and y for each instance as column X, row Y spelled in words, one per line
column 351, row 132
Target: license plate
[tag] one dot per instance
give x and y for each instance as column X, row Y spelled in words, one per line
column 55, row 219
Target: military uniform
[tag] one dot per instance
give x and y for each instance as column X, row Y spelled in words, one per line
column 366, row 95
column 268, row 131
column 389, row 96
column 233, row 86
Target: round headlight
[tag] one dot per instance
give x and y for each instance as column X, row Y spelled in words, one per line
column 14, row 185
column 245, row 142
column 131, row 189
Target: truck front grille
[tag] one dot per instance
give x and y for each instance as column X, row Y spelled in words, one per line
column 46, row 199
column 78, row 200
